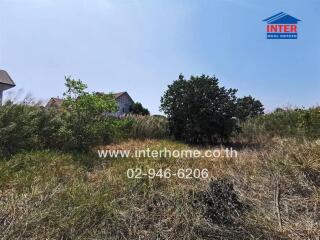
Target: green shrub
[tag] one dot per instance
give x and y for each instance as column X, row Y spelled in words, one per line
column 24, row 127
column 27, row 128
column 85, row 113
column 296, row 123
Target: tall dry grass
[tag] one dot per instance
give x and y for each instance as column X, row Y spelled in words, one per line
column 287, row 123
column 148, row 127
column 271, row 193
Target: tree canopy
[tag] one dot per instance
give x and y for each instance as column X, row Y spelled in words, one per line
column 138, row 109
column 248, row 107
column 199, row 110
column 85, row 115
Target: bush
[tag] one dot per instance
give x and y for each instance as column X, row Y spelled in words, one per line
column 24, row 127
column 199, row 110
column 86, row 113
column 81, row 124
column 297, row 123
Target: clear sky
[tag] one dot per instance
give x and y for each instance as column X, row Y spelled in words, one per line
column 141, row 46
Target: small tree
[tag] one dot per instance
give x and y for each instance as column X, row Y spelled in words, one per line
column 248, row 107
column 138, row 109
column 87, row 124
column 199, row 110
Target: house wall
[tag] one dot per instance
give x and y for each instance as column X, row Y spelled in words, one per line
column 3, row 87
column 124, row 104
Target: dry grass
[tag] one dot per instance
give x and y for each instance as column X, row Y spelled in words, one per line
column 47, row 195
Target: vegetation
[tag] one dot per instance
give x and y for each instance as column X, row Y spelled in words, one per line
column 147, row 127
column 86, row 124
column 24, row 127
column 248, row 107
column 48, row 195
column 292, row 123
column 266, row 192
column 138, row 109
column 200, row 111
column 81, row 124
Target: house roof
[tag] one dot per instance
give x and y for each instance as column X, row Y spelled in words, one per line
column 281, row 18
column 55, row 102
column 6, row 79
column 119, row 94
column 116, row 95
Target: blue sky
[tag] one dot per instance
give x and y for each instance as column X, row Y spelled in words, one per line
column 141, row 46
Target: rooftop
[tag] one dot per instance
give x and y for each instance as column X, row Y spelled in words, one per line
column 6, row 79
column 281, row 18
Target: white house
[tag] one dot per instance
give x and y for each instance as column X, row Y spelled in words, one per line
column 124, row 103
column 123, row 99
column 5, row 83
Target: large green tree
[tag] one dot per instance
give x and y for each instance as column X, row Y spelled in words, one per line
column 199, row 110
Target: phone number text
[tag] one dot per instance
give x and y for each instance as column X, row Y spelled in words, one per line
column 187, row 173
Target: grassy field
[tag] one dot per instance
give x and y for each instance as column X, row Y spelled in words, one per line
column 269, row 193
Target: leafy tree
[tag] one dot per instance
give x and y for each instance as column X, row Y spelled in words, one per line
column 278, row 109
column 199, row 110
column 87, row 124
column 138, row 109
column 87, row 106
column 248, row 107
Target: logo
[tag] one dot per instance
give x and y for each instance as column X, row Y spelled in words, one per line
column 282, row 26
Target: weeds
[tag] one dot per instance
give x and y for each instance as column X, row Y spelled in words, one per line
column 290, row 123
column 59, row 196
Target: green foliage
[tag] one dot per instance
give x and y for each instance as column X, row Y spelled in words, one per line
column 138, row 109
column 24, row 127
column 82, row 123
column 75, row 88
column 86, row 122
column 199, row 110
column 87, row 105
column 49, row 195
column 297, row 123
column 248, row 107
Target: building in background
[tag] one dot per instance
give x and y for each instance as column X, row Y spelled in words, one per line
column 124, row 103
column 5, row 83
